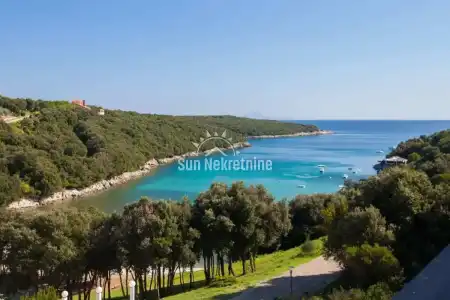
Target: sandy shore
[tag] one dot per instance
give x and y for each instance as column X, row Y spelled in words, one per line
column 145, row 169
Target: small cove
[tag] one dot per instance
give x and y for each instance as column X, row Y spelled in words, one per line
column 294, row 163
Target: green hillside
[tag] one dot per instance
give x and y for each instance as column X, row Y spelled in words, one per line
column 65, row 146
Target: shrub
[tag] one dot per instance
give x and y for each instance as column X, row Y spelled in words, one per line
column 414, row 157
column 368, row 264
column 310, row 247
column 379, row 291
column 222, row 282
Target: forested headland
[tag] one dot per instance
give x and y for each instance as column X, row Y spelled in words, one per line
column 382, row 231
column 63, row 146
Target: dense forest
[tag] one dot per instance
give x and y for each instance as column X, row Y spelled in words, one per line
column 60, row 145
column 382, row 231
column 430, row 154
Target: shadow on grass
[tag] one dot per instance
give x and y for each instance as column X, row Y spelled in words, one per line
column 281, row 287
column 165, row 292
column 177, row 289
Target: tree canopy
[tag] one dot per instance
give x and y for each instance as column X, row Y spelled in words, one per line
column 60, row 145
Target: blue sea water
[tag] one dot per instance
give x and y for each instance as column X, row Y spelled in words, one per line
column 294, row 163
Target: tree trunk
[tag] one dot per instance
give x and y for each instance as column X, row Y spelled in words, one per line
column 230, row 266
column 121, row 283
column 126, row 282
column 68, row 288
column 151, row 278
column 104, row 288
column 109, row 285
column 145, row 280
column 158, row 283
column 205, row 268
column 244, row 267
column 212, row 264
column 182, row 278
column 85, row 285
column 141, row 285
column 222, row 266
column 163, row 277
column 191, row 276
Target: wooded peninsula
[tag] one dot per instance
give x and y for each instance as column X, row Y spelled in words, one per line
column 58, row 145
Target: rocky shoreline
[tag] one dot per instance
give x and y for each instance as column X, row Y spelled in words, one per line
column 145, row 169
column 115, row 181
column 312, row 133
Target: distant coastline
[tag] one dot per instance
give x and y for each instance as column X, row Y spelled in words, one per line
column 149, row 166
column 312, row 133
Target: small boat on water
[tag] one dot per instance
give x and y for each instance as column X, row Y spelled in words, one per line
column 380, row 151
column 345, row 176
column 302, row 186
column 322, row 170
column 350, row 168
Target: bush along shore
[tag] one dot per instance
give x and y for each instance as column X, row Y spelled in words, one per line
column 71, row 194
column 115, row 181
column 62, row 146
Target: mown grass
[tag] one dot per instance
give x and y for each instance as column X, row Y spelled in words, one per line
column 267, row 266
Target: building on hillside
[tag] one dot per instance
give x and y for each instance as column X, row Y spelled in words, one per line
column 101, row 112
column 390, row 162
column 79, row 102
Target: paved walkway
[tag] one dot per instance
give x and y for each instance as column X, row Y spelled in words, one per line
column 309, row 277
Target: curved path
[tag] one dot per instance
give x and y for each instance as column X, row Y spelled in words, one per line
column 306, row 278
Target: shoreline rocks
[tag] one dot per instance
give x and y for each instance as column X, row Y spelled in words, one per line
column 115, row 181
column 312, row 133
column 150, row 165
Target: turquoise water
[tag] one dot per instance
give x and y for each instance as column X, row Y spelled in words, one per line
column 294, row 162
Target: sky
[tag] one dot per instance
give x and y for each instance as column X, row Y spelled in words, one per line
column 281, row 59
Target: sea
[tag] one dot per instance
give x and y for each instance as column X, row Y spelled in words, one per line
column 298, row 165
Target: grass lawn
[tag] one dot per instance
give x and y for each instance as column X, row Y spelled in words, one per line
column 267, row 266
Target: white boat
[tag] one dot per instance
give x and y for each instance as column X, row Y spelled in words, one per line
column 302, row 186
column 380, row 151
column 341, row 186
column 345, row 176
column 321, row 170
